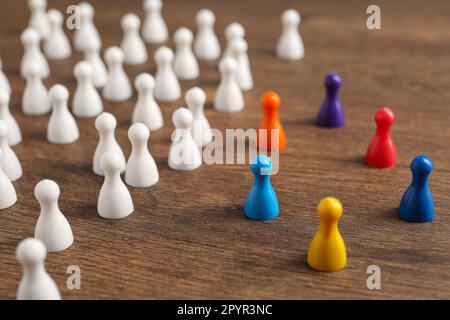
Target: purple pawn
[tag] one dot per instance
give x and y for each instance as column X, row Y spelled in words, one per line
column 331, row 113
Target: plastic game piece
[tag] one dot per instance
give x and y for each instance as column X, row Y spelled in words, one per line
column 244, row 75
column 154, row 30
column 91, row 54
column 228, row 97
column 327, row 249
column 87, row 102
column 36, row 283
column 118, row 87
column 232, row 32
column 201, row 129
column 206, row 44
column 270, row 102
column 9, row 161
column 167, row 87
column 133, row 46
column 87, row 30
column 14, row 132
column 417, row 203
column 35, row 99
column 31, row 39
column 146, row 110
column 56, row 45
column 4, row 82
column 290, row 44
column 52, row 227
column 8, row 196
column 185, row 64
column 331, row 113
column 262, row 202
column 381, row 152
column 38, row 17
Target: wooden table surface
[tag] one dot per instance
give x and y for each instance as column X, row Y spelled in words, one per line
column 188, row 237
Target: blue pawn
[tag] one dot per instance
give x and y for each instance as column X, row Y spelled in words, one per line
column 417, row 202
column 261, row 203
column 331, row 113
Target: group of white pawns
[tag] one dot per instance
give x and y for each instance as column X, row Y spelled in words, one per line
column 53, row 232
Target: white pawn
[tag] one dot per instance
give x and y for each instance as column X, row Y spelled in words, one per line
column 86, row 100
column 232, row 32
column 167, row 87
column 87, row 28
column 38, row 19
column 206, row 45
column 105, row 125
column 62, row 127
column 154, row 30
column 132, row 45
column 8, row 195
column 35, row 97
column 141, row 170
column 114, row 200
column 201, row 129
column 185, row 64
column 184, row 153
column 14, row 135
column 9, row 161
column 92, row 55
column 290, row 44
column 4, row 82
column 228, row 96
column 52, row 227
column 36, row 283
column 30, row 39
column 244, row 74
column 118, row 87
column 56, row 45
column 146, row 110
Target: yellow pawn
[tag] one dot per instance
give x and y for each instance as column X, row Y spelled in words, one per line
column 327, row 249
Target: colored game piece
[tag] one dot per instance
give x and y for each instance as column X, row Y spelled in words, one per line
column 86, row 100
column 185, row 64
column 87, row 30
column 38, row 17
column 228, row 97
column 206, row 44
column 56, row 45
column 14, row 133
column 167, row 87
column 184, row 153
column 327, row 249
column 417, row 202
column 91, row 53
column 146, row 110
column 331, row 113
column 52, row 227
column 118, row 87
column 62, row 127
column 36, row 283
column 290, row 44
column 9, row 161
column 232, row 32
column 154, row 30
column 114, row 200
column 262, row 202
column 381, row 152
column 133, row 46
column 105, row 124
column 31, row 39
column 8, row 195
column 4, row 82
column 244, row 76
column 271, row 124
column 141, row 170
column 201, row 129
column 35, row 101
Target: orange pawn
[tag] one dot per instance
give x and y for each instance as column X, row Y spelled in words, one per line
column 270, row 102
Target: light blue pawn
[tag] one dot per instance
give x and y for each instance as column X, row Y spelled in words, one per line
column 262, row 202
column 417, row 203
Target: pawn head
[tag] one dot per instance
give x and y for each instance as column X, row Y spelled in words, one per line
column 46, row 190
column 239, row 46
column 384, row 118
column 29, row 37
column 164, row 55
column 261, row 165
column 58, row 94
column 114, row 55
column 205, row 17
column 92, row 44
column 290, row 18
column 83, row 70
column 228, row 66
column 332, row 82
column 182, row 118
column 234, row 31
column 421, row 166
column 87, row 10
column 4, row 97
column 151, row 5
column 183, row 36
column 105, row 122
column 3, row 129
column 31, row 251
column 130, row 22
column 195, row 97
column 55, row 17
column 37, row 4
column 138, row 132
column 32, row 69
column 144, row 82
column 270, row 101
column 329, row 209
column 111, row 161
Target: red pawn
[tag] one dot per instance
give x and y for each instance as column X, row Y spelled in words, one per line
column 381, row 152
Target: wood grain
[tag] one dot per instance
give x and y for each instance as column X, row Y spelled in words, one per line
column 188, row 237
